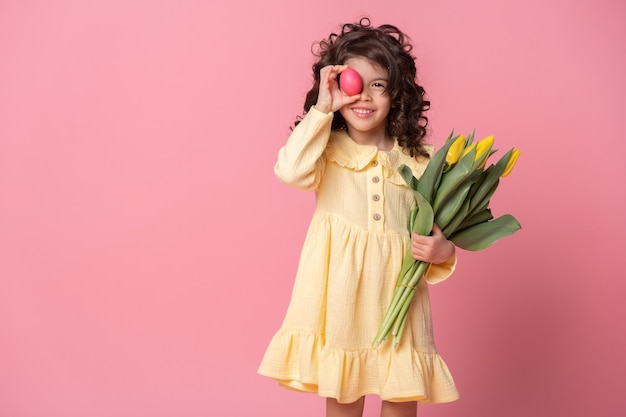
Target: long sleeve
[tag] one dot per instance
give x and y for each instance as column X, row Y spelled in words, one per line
column 300, row 162
column 440, row 272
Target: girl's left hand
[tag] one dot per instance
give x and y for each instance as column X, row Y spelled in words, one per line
column 330, row 97
column 435, row 249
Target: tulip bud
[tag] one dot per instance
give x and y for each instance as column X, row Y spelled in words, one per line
column 483, row 148
column 512, row 160
column 484, row 145
column 454, row 152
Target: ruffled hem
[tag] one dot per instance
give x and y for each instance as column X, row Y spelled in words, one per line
column 300, row 361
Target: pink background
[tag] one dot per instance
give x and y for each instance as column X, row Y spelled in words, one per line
column 147, row 252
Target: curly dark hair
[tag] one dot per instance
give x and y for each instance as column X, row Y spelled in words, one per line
column 390, row 48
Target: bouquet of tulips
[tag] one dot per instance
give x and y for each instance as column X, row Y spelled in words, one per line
column 454, row 192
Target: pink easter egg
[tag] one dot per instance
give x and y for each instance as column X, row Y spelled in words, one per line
column 350, row 82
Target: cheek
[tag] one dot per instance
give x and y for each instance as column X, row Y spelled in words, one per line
column 384, row 108
column 344, row 111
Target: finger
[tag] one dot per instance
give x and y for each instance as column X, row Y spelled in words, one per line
column 418, row 255
column 351, row 99
column 417, row 238
column 335, row 70
column 436, row 230
column 328, row 73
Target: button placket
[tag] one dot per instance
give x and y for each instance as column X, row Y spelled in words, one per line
column 375, row 193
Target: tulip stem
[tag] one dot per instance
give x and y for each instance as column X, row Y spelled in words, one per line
column 395, row 317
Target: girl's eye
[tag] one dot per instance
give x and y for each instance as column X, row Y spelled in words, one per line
column 379, row 87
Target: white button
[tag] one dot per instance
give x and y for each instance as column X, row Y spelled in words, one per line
column 376, row 216
column 375, row 180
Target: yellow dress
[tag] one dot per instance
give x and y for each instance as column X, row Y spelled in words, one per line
column 348, row 268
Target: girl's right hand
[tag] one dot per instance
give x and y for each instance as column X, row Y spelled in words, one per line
column 330, row 97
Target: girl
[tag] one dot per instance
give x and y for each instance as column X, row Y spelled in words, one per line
column 348, row 149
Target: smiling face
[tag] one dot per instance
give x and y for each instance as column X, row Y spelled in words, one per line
column 366, row 119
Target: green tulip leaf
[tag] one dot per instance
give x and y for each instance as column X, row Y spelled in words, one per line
column 445, row 214
column 429, row 180
column 482, row 216
column 483, row 191
column 443, row 201
column 424, row 218
column 408, row 177
column 483, row 235
column 454, row 177
column 458, row 218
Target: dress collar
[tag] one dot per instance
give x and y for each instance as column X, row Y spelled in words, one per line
column 347, row 153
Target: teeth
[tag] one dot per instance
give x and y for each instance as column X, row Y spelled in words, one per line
column 362, row 111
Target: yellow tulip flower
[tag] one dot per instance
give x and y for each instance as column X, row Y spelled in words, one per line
column 484, row 146
column 512, row 160
column 454, row 152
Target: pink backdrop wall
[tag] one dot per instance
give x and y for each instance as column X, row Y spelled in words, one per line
column 147, row 252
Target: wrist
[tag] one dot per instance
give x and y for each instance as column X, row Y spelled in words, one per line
column 324, row 108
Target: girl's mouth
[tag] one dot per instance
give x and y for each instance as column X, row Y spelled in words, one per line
column 362, row 112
